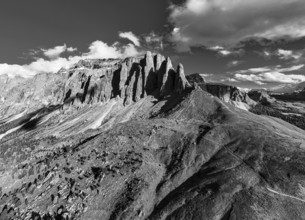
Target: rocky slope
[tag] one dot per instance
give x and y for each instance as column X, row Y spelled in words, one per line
column 286, row 107
column 226, row 93
column 262, row 97
column 133, row 139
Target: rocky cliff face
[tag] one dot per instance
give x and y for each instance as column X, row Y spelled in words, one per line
column 94, row 81
column 262, row 97
column 25, row 95
column 226, row 93
column 130, row 80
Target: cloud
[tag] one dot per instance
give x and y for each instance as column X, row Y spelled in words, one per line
column 50, row 66
column 71, row 49
column 55, row 52
column 130, row 36
column 234, row 63
column 13, row 70
column 292, row 68
column 97, row 50
column 232, row 80
column 129, row 51
column 276, row 74
column 288, row 54
column 265, row 53
column 271, row 69
column 225, row 52
column 154, row 40
column 229, row 80
column 271, row 77
column 38, row 66
column 153, row 37
column 282, row 54
column 223, row 22
column 206, row 74
column 221, row 50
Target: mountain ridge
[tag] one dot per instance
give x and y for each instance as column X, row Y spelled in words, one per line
column 92, row 81
column 174, row 151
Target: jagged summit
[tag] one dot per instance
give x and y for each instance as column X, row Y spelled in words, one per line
column 93, row 81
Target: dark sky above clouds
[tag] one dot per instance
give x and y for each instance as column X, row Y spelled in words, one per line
column 34, row 24
column 247, row 43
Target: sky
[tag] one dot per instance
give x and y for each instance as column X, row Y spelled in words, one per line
column 245, row 43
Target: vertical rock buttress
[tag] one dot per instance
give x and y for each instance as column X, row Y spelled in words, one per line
column 130, row 79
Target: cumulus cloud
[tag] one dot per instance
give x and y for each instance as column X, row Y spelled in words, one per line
column 129, row 51
column 130, row 36
column 97, row 50
column 38, row 66
column 223, row 22
column 13, row 70
column 55, row 52
column 50, row 66
column 264, row 75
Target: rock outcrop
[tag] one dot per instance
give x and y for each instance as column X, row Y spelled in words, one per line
column 226, row 93
column 131, row 80
column 197, row 78
column 262, row 97
column 94, row 81
column 29, row 94
column 180, row 81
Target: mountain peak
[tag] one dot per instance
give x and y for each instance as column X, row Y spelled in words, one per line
column 91, row 81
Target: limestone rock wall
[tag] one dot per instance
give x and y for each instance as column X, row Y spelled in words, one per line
column 131, row 80
column 93, row 81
